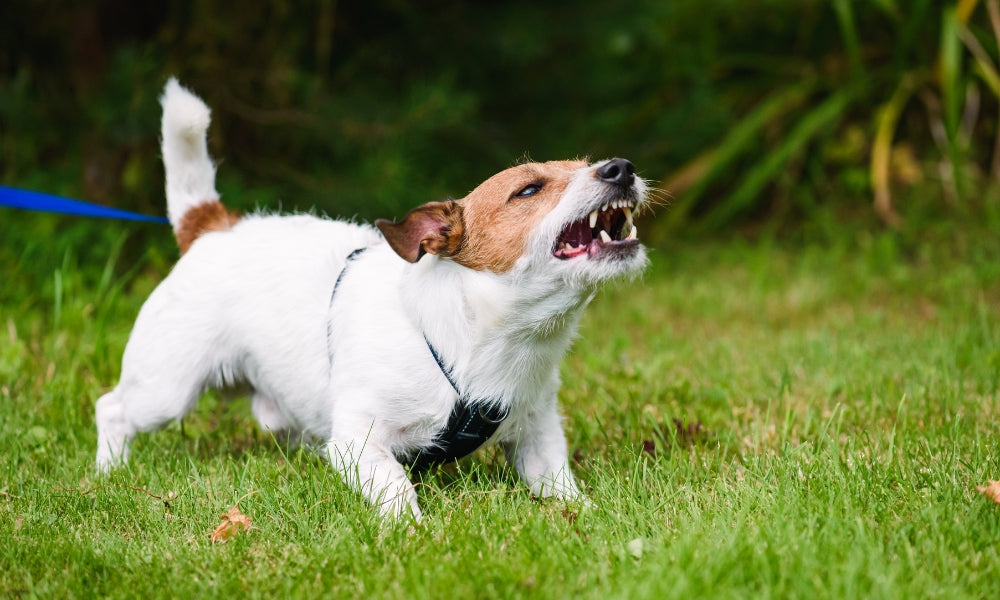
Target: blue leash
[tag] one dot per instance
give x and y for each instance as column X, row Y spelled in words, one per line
column 28, row 200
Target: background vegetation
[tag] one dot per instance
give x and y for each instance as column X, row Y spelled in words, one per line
column 799, row 399
column 740, row 109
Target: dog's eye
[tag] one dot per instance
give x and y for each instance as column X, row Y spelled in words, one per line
column 529, row 190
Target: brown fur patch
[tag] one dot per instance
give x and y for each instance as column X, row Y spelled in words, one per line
column 208, row 216
column 435, row 228
column 497, row 222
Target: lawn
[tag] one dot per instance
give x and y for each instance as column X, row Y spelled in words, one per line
column 771, row 419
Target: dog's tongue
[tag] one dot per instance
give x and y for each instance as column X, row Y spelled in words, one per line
column 571, row 252
column 590, row 249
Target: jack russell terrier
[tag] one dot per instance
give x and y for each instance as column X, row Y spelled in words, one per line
column 401, row 345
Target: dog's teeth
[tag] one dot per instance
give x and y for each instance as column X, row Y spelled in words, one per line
column 604, row 208
column 593, row 219
column 605, row 237
column 633, row 234
column 628, row 213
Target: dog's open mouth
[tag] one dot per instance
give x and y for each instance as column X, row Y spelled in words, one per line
column 607, row 228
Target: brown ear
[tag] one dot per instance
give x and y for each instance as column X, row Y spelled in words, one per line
column 435, row 228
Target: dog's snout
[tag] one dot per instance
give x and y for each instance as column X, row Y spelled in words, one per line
column 617, row 171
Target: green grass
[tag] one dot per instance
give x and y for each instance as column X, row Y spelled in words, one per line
column 836, row 403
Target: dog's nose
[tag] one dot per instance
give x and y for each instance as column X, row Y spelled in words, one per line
column 617, row 171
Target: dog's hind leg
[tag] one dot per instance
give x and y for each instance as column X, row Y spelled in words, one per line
column 140, row 404
column 113, row 432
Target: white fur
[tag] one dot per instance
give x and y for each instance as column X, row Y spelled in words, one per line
column 253, row 305
column 190, row 172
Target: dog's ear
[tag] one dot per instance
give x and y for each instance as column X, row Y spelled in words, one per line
column 435, row 228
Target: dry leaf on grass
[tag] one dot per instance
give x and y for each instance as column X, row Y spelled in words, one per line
column 991, row 491
column 232, row 523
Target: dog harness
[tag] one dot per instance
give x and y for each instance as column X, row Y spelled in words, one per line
column 472, row 420
column 471, row 423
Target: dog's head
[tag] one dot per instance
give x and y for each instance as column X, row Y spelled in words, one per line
column 566, row 217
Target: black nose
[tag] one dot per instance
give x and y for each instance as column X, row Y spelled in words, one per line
column 617, row 171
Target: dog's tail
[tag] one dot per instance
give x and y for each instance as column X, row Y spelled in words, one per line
column 193, row 205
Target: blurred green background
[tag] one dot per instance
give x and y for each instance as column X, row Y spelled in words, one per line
column 795, row 117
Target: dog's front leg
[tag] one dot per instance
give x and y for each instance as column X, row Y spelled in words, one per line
column 373, row 471
column 537, row 450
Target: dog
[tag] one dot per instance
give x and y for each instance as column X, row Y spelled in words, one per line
column 401, row 345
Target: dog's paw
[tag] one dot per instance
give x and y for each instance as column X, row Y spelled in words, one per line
column 583, row 505
column 560, row 486
column 402, row 509
column 108, row 460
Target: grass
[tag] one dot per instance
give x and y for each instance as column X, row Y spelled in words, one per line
column 786, row 420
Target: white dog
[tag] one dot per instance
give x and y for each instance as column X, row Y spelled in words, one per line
column 409, row 344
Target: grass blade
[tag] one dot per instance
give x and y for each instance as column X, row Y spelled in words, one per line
column 830, row 111
column 964, row 10
column 744, row 136
column 993, row 8
column 845, row 19
column 984, row 65
column 950, row 62
column 887, row 119
column 951, row 93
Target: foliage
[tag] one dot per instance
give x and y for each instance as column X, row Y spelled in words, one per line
column 739, row 110
column 817, row 123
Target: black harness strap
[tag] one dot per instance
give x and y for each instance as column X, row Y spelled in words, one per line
column 347, row 262
column 471, row 422
column 446, row 370
column 329, row 324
